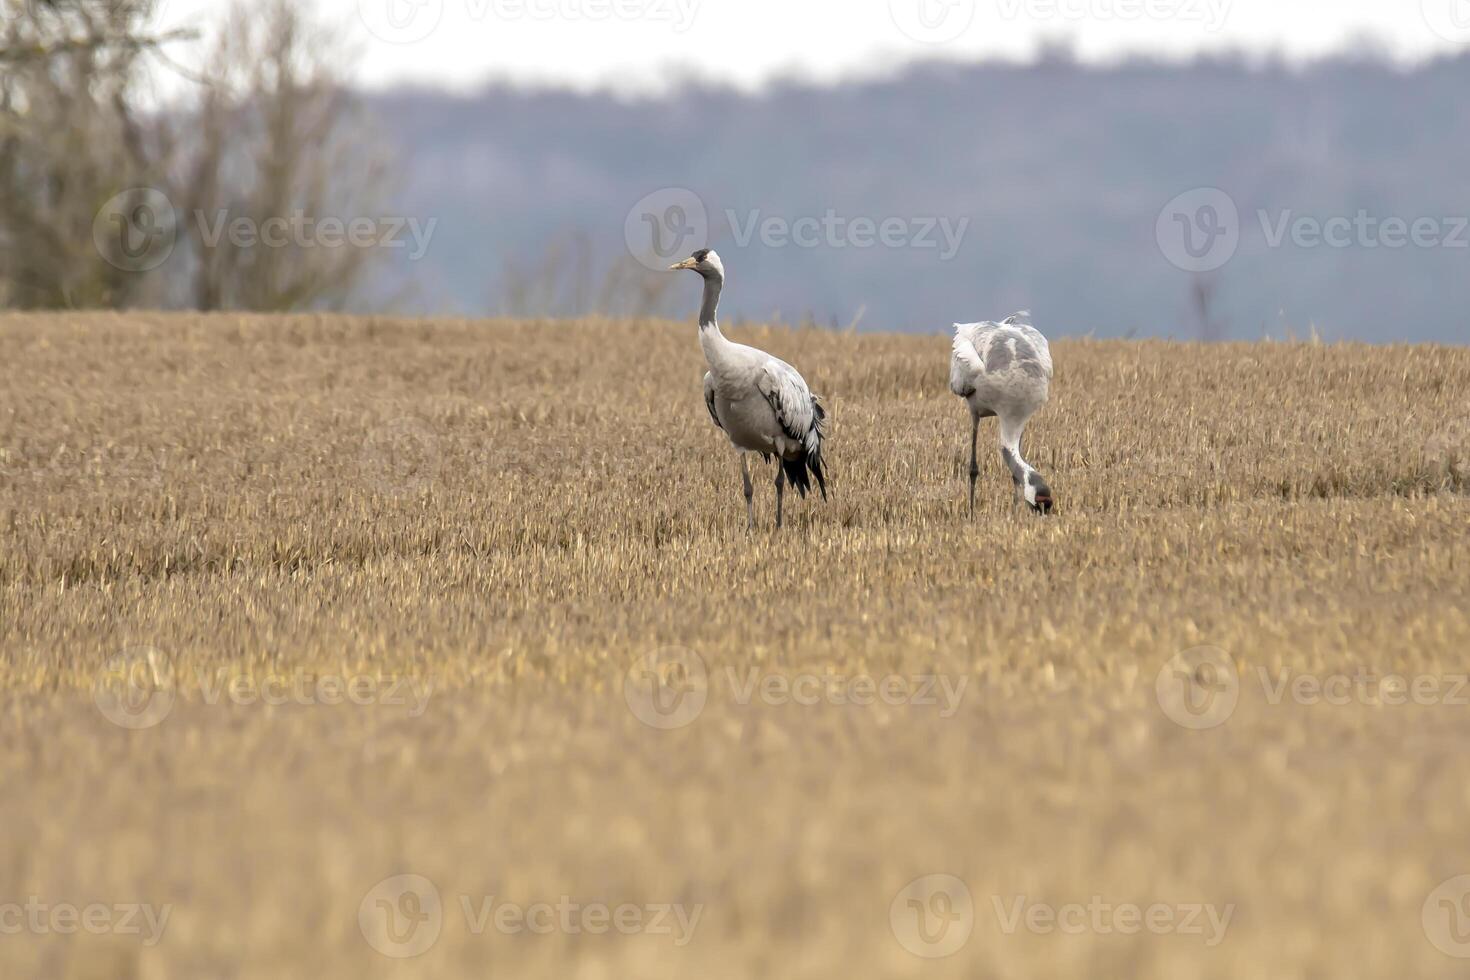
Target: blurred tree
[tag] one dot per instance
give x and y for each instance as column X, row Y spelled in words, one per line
column 569, row 281
column 71, row 139
column 211, row 201
column 278, row 146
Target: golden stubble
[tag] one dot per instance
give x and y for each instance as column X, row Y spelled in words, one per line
column 522, row 519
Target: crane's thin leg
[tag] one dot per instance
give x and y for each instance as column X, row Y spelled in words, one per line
column 749, row 493
column 974, row 461
column 780, row 491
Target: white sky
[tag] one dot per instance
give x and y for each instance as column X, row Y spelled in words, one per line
column 642, row 44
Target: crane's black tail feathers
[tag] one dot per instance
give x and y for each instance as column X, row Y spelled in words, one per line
column 800, row 470
column 799, row 473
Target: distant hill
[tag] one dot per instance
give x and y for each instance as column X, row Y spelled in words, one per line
column 1061, row 170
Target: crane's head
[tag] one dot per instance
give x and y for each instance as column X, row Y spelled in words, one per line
column 1038, row 494
column 706, row 262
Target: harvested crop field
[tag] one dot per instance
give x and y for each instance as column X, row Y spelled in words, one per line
column 292, row 608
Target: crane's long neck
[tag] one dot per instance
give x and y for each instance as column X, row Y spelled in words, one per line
column 716, row 347
column 1029, row 482
column 1010, row 450
column 713, row 285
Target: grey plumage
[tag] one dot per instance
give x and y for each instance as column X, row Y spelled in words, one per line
column 760, row 402
column 1004, row 370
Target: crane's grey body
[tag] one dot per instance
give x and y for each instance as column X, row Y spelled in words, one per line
column 760, row 402
column 746, row 418
column 1004, row 370
column 743, row 398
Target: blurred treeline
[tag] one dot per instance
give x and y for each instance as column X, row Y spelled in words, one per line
column 263, row 127
column 1061, row 167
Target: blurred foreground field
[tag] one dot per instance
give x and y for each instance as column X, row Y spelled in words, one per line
column 485, row 531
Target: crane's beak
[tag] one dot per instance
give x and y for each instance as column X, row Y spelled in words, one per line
column 686, row 264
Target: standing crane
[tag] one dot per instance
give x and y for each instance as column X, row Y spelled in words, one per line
column 1004, row 370
column 760, row 402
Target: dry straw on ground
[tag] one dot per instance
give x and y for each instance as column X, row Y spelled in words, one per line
column 521, row 514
